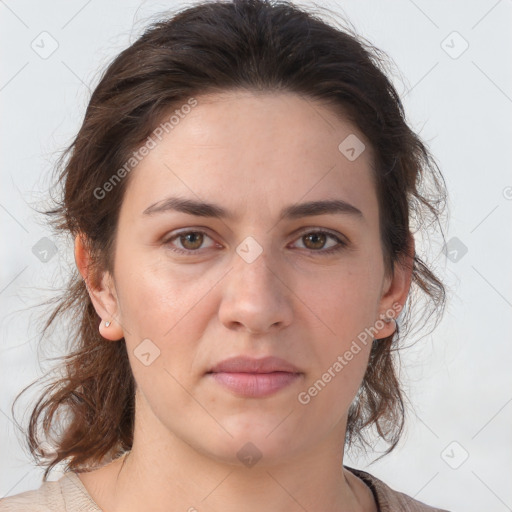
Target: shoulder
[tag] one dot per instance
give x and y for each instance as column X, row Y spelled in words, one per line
column 47, row 497
column 389, row 500
column 66, row 494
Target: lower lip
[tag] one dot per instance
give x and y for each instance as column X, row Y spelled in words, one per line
column 255, row 385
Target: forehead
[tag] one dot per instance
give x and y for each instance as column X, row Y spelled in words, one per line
column 253, row 150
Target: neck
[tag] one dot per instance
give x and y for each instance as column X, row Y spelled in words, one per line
column 164, row 473
column 151, row 481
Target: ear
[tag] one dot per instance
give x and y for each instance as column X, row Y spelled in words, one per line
column 101, row 290
column 395, row 291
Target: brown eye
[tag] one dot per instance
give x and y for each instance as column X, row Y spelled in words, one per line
column 189, row 242
column 192, row 240
column 315, row 240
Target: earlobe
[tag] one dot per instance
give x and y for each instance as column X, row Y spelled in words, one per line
column 100, row 289
column 111, row 330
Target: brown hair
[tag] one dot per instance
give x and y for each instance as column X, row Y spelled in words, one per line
column 254, row 45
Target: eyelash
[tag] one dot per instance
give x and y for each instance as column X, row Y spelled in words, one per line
column 340, row 245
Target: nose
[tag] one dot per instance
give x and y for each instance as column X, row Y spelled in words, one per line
column 256, row 297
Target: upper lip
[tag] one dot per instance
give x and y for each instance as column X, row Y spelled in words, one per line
column 242, row 364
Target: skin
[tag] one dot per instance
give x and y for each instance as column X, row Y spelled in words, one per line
column 253, row 154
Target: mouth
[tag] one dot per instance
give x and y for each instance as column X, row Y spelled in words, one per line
column 255, row 378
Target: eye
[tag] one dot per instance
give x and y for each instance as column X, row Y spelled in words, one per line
column 316, row 240
column 190, row 241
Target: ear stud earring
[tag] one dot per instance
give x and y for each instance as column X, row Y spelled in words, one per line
column 107, row 324
column 387, row 319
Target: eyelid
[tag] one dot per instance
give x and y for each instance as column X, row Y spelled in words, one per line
column 318, row 229
column 342, row 241
column 176, row 234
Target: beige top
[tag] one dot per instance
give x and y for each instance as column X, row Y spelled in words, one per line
column 68, row 494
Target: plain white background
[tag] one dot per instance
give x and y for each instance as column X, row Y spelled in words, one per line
column 456, row 452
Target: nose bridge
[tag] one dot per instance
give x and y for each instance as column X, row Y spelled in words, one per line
column 254, row 294
column 253, row 264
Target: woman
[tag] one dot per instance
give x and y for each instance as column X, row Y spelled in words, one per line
column 241, row 197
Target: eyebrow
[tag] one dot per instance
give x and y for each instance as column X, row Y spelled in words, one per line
column 294, row 211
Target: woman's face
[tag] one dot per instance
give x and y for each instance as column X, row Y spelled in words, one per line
column 192, row 290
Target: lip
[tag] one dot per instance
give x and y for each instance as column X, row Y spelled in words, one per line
column 243, row 364
column 255, row 378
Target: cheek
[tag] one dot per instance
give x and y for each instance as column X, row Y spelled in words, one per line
column 346, row 301
column 346, row 306
column 162, row 320
column 332, row 387
column 154, row 297
column 171, row 309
